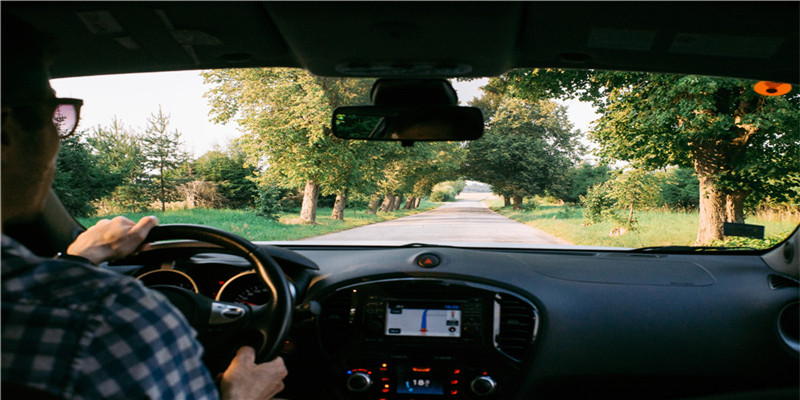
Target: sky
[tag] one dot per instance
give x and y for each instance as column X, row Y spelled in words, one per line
column 180, row 94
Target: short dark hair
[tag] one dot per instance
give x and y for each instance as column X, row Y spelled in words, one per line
column 26, row 54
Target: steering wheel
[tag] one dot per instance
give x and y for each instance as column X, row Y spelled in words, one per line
column 223, row 327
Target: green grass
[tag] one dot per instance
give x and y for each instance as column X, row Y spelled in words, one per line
column 252, row 227
column 656, row 228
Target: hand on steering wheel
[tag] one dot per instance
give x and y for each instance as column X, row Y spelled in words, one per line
column 222, row 327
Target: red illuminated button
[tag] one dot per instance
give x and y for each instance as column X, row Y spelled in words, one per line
column 428, row 260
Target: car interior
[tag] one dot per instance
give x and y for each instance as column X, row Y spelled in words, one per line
column 524, row 322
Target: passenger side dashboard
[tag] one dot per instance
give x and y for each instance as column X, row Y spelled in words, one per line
column 605, row 324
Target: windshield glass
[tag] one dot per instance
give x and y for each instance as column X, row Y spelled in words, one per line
column 568, row 158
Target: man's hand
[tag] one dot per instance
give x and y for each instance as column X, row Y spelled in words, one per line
column 111, row 239
column 244, row 380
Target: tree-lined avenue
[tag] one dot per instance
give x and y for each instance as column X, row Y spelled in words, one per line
column 466, row 220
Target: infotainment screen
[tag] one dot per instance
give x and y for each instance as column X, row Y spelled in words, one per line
column 410, row 318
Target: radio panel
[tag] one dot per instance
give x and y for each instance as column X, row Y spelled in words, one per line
column 425, row 339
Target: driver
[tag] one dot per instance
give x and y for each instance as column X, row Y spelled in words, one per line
column 70, row 329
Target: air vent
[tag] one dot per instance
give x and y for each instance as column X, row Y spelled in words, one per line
column 789, row 326
column 780, row 282
column 334, row 321
column 516, row 326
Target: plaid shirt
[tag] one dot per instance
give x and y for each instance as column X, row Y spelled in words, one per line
column 81, row 332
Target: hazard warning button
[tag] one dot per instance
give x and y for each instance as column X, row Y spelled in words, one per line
column 428, row 260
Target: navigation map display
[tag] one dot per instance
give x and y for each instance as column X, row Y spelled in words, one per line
column 423, row 319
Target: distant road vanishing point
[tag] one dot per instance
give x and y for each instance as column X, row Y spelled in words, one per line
column 466, row 220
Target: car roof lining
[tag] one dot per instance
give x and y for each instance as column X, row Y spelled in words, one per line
column 729, row 39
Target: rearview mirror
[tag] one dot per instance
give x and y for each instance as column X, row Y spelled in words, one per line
column 423, row 123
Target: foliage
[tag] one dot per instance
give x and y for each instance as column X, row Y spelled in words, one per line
column 80, row 180
column 448, row 190
column 163, row 151
column 268, row 203
column 228, row 168
column 247, row 225
column 441, row 196
column 204, row 194
column 680, row 189
column 738, row 142
column 526, row 149
column 658, row 227
column 119, row 151
column 627, row 190
column 580, row 179
column 285, row 115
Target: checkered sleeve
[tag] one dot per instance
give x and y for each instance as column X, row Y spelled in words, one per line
column 141, row 347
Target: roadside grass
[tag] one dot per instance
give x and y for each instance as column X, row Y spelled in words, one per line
column 656, row 227
column 252, row 227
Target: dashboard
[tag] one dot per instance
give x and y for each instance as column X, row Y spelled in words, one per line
column 463, row 323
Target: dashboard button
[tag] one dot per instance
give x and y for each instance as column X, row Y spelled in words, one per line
column 428, row 260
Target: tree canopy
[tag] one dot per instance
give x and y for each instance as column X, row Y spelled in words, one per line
column 737, row 141
column 526, row 150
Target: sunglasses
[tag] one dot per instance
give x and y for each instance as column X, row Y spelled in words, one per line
column 66, row 114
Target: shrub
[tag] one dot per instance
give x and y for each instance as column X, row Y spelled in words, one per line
column 268, row 203
column 439, row 196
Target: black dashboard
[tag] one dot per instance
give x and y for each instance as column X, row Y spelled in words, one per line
column 444, row 322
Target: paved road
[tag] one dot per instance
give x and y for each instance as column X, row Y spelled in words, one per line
column 460, row 221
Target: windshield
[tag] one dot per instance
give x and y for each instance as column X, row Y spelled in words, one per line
column 568, row 158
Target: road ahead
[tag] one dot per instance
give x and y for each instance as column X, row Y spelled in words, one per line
column 461, row 221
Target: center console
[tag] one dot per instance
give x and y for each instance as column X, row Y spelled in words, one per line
column 425, row 339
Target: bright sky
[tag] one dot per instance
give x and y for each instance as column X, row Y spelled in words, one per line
column 180, row 94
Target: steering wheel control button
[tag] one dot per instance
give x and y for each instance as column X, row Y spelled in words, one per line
column 224, row 313
column 483, row 386
column 358, row 382
column 428, row 260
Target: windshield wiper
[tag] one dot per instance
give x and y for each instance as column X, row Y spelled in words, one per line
column 688, row 249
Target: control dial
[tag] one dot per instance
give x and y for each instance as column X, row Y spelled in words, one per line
column 483, row 385
column 359, row 382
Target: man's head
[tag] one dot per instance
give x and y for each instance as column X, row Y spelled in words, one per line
column 29, row 138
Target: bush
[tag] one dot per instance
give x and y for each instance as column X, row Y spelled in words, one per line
column 681, row 189
column 440, row 196
column 268, row 203
column 596, row 203
column 202, row 194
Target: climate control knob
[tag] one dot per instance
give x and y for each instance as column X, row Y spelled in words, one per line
column 483, row 385
column 358, row 382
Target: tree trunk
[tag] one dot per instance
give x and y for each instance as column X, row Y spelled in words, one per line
column 410, row 203
column 339, row 206
column 630, row 217
column 308, row 213
column 163, row 207
column 734, row 206
column 712, row 211
column 386, row 206
column 506, row 201
column 372, row 208
column 416, row 203
column 517, row 202
column 397, row 202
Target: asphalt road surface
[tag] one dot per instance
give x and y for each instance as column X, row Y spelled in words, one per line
column 466, row 220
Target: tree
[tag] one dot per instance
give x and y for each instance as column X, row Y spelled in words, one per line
column 285, row 115
column 119, row 151
column 229, row 170
column 737, row 141
column 164, row 152
column 80, row 179
column 680, row 189
column 581, row 178
column 526, row 149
